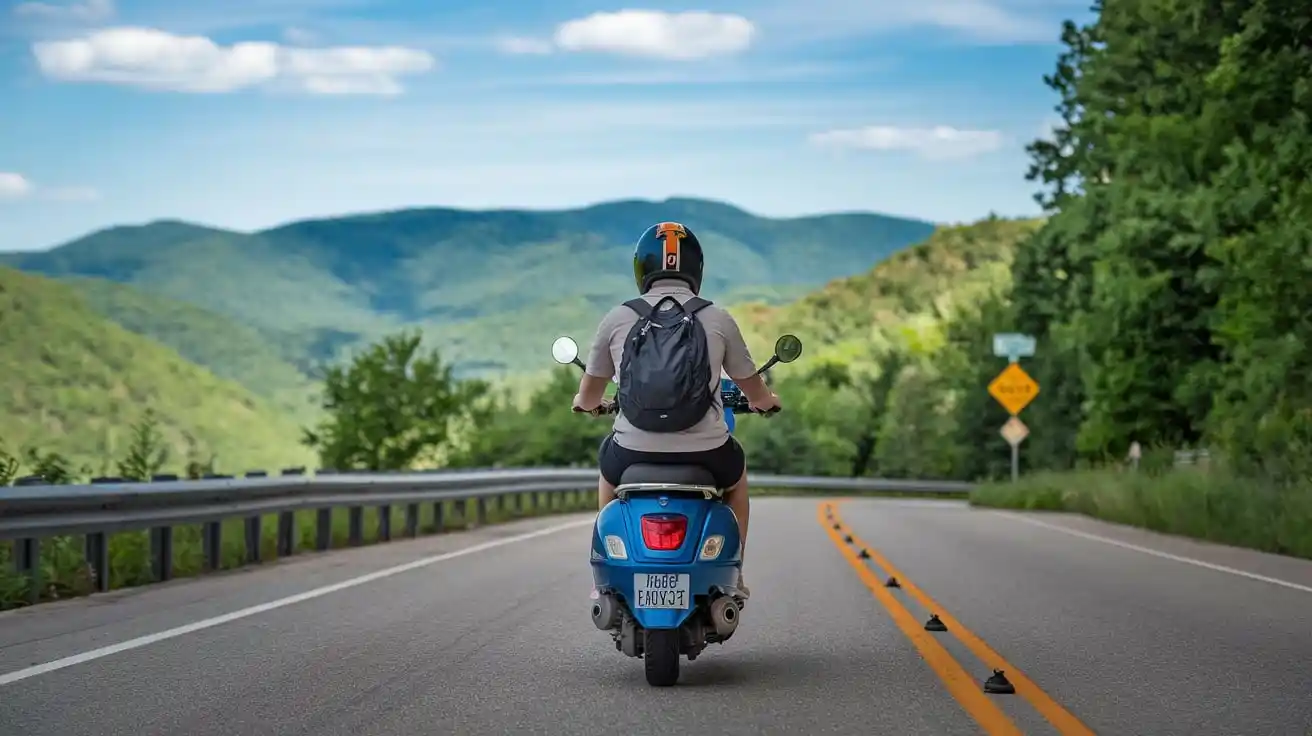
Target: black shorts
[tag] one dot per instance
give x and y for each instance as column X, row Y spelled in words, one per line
column 725, row 462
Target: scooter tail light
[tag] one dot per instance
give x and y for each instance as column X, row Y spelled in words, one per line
column 664, row 532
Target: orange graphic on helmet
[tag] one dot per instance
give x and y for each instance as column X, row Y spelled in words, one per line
column 672, row 233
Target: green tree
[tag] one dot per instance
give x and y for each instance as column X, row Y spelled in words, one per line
column 543, row 432
column 391, row 406
column 147, row 453
column 53, row 467
column 875, row 391
column 1258, row 96
column 8, row 466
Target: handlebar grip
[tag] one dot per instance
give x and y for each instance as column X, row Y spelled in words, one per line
column 605, row 408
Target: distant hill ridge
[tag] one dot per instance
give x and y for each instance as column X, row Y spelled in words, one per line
column 485, row 285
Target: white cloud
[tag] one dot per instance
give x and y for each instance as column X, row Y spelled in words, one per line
column 86, row 12
column 154, row 59
column 937, row 143
column 523, row 45
column 655, row 34
column 14, row 186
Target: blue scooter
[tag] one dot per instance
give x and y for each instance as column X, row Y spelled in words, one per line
column 666, row 553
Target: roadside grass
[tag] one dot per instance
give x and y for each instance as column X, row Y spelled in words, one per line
column 1210, row 504
column 65, row 574
column 758, row 492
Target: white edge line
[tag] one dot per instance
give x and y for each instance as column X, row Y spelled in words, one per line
column 1153, row 552
column 141, row 641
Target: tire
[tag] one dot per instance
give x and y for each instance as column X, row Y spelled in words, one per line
column 660, row 657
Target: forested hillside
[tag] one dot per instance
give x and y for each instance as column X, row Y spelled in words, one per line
column 74, row 384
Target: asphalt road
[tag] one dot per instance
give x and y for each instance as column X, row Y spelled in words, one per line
column 488, row 633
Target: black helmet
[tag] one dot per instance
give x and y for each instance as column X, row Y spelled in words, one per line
column 668, row 250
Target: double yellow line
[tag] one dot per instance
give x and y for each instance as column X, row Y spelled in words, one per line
column 966, row 689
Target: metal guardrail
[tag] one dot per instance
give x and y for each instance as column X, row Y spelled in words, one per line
column 1185, row 458
column 32, row 510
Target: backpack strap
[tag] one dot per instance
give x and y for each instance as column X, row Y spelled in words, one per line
column 644, row 308
column 640, row 306
column 695, row 305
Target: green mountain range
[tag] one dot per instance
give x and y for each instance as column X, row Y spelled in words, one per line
column 488, row 287
column 222, row 332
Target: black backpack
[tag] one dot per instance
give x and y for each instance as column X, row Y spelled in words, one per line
column 665, row 375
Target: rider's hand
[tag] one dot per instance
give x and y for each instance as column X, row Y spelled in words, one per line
column 597, row 410
column 771, row 404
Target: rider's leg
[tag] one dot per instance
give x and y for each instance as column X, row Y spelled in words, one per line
column 729, row 465
column 605, row 492
column 741, row 504
column 611, row 463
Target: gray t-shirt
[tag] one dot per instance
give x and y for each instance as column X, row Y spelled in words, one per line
column 728, row 356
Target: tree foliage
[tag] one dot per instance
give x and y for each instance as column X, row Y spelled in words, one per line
column 390, row 406
column 146, row 452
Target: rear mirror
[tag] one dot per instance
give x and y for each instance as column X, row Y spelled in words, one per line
column 564, row 350
column 788, row 348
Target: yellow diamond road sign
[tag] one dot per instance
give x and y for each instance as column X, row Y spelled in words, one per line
column 1015, row 431
column 1013, row 388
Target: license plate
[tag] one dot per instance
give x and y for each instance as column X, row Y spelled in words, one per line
column 661, row 590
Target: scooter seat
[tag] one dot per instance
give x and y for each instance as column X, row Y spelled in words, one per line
column 692, row 475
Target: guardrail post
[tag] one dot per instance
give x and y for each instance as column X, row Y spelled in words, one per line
column 287, row 536
column 211, row 533
column 323, row 529
column 355, row 526
column 384, row 523
column 27, row 561
column 480, row 511
column 254, row 529
column 161, row 553
column 96, row 552
column 412, row 520
column 439, row 517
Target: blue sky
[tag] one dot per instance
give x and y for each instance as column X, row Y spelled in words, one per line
column 249, row 113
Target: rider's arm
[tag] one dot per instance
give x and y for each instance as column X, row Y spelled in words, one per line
column 756, row 391
column 739, row 365
column 591, row 391
column 600, row 366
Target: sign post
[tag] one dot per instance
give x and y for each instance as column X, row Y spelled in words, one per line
column 1015, row 432
column 1014, row 389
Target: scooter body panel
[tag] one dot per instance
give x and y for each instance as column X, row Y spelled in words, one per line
column 621, row 573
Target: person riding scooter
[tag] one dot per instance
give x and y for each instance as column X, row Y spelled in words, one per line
column 670, row 410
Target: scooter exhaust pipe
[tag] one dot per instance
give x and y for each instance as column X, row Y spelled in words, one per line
column 605, row 612
column 724, row 615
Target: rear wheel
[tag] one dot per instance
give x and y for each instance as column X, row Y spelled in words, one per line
column 660, row 657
